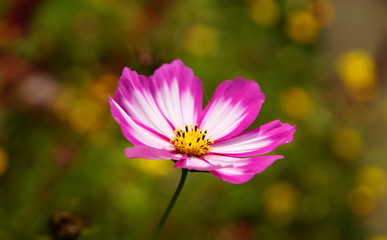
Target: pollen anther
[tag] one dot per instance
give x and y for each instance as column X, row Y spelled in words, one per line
column 191, row 141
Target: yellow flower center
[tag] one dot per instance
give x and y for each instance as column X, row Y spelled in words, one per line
column 191, row 141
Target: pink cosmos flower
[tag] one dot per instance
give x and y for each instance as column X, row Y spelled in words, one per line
column 162, row 116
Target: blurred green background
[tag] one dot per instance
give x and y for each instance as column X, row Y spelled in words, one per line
column 322, row 65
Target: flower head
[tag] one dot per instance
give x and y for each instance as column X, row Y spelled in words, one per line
column 162, row 116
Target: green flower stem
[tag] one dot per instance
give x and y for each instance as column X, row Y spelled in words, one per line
column 171, row 203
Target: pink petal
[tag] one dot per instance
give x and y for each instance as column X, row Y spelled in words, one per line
column 234, row 106
column 136, row 133
column 233, row 175
column 150, row 153
column 225, row 161
column 244, row 170
column 196, row 163
column 178, row 93
column 258, row 141
column 135, row 98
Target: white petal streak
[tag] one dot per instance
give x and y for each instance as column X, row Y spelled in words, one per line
column 135, row 133
column 223, row 118
column 188, row 108
column 257, row 141
column 233, row 107
column 178, row 93
column 168, row 98
column 196, row 163
column 143, row 108
column 134, row 96
column 178, row 106
column 225, row 161
column 241, row 144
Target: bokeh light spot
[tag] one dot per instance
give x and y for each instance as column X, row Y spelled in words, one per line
column 324, row 11
column 378, row 237
column 375, row 178
column 103, row 86
column 361, row 200
column 200, row 40
column 383, row 110
column 302, row 27
column 357, row 71
column 3, row 161
column 347, row 143
column 280, row 202
column 156, row 167
column 264, row 12
column 296, row 103
column 84, row 117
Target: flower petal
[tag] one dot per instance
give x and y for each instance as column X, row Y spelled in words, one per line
column 196, row 163
column 134, row 131
column 243, row 170
column 232, row 175
column 258, row 141
column 225, row 161
column 135, row 97
column 234, row 106
column 150, row 153
column 178, row 93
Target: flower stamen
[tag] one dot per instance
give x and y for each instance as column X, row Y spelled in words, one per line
column 191, row 141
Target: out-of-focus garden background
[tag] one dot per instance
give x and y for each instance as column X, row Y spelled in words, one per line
column 322, row 65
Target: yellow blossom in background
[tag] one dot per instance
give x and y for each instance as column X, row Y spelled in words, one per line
column 83, row 112
column 85, row 116
column 130, row 13
column 3, row 161
column 361, row 200
column 200, row 40
column 64, row 101
column 264, row 12
column 357, row 71
column 294, row 5
column 103, row 86
column 296, row 103
column 375, row 178
column 302, row 27
column 130, row 197
column 347, row 143
column 280, row 202
column 378, row 237
column 156, row 167
column 383, row 110
column 324, row 11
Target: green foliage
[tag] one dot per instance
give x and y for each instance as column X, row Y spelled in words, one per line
column 60, row 150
